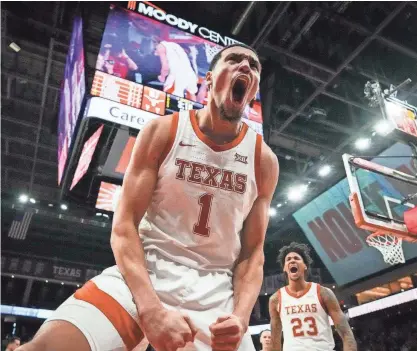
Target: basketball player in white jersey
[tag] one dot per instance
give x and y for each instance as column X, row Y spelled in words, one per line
column 177, row 73
column 189, row 271
column 301, row 310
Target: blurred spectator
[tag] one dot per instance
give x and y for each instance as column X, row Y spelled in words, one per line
column 12, row 343
column 265, row 340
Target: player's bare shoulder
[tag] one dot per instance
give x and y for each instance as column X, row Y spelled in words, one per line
column 329, row 298
column 159, row 129
column 326, row 294
column 274, row 302
column 154, row 140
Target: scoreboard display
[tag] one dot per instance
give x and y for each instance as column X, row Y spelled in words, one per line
column 157, row 67
column 117, row 89
column 403, row 117
column 176, row 104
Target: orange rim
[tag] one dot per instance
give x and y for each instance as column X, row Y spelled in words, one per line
column 398, row 236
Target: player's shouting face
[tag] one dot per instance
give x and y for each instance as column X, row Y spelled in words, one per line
column 234, row 81
column 294, row 266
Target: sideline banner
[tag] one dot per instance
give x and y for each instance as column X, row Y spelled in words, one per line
column 47, row 269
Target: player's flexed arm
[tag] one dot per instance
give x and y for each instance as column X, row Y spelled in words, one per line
column 165, row 330
column 276, row 326
column 339, row 319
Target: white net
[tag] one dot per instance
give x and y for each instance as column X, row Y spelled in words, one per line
column 390, row 246
column 211, row 50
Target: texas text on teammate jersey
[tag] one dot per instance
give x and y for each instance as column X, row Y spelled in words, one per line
column 305, row 322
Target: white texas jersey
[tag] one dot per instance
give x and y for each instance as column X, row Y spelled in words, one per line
column 203, row 195
column 305, row 322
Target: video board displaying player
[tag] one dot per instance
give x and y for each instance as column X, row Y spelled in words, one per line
column 154, row 54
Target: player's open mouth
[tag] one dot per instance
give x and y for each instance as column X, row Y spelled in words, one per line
column 293, row 269
column 239, row 89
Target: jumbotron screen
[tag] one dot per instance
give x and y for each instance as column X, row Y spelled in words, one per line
column 72, row 94
column 146, row 52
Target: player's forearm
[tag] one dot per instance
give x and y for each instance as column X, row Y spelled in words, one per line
column 349, row 342
column 276, row 335
column 276, row 341
column 130, row 258
column 247, row 282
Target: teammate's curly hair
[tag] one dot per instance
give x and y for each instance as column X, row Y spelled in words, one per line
column 302, row 249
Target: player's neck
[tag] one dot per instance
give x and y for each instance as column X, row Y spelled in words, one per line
column 220, row 131
column 297, row 285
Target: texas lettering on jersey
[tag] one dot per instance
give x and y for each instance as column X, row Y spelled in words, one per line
column 211, row 176
column 301, row 309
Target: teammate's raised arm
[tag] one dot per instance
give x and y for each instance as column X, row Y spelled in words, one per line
column 276, row 326
column 339, row 319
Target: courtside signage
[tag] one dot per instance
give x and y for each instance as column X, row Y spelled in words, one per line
column 118, row 113
column 152, row 11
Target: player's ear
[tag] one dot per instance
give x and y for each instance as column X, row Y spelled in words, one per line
column 209, row 80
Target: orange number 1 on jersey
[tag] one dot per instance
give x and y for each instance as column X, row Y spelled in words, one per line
column 201, row 227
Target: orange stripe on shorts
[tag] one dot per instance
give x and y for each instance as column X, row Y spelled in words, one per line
column 124, row 323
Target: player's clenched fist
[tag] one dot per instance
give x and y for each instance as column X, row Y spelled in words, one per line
column 166, row 330
column 227, row 333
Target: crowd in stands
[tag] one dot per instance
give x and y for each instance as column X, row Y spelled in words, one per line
column 393, row 329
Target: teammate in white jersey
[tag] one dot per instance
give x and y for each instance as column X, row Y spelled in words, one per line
column 198, row 186
column 177, row 73
column 300, row 311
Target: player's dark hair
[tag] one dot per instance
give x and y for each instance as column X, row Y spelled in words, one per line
column 217, row 57
column 302, row 249
column 263, row 332
column 12, row 339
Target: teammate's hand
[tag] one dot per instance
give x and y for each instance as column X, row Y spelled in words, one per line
column 161, row 78
column 166, row 330
column 227, row 333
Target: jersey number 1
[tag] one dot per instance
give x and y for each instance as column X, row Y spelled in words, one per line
column 201, row 227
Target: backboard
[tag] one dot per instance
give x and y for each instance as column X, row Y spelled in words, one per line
column 380, row 196
column 403, row 117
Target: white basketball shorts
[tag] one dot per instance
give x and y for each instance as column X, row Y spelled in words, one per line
column 104, row 311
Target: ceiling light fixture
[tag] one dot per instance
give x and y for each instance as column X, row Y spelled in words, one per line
column 14, row 47
column 272, row 212
column 363, row 143
column 325, row 171
column 23, row 198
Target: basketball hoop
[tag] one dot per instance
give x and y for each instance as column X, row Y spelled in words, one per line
column 389, row 245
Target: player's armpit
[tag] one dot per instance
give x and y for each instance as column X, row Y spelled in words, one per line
column 276, row 326
column 138, row 186
column 248, row 274
column 339, row 319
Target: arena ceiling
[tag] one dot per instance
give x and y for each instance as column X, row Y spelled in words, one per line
column 317, row 57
